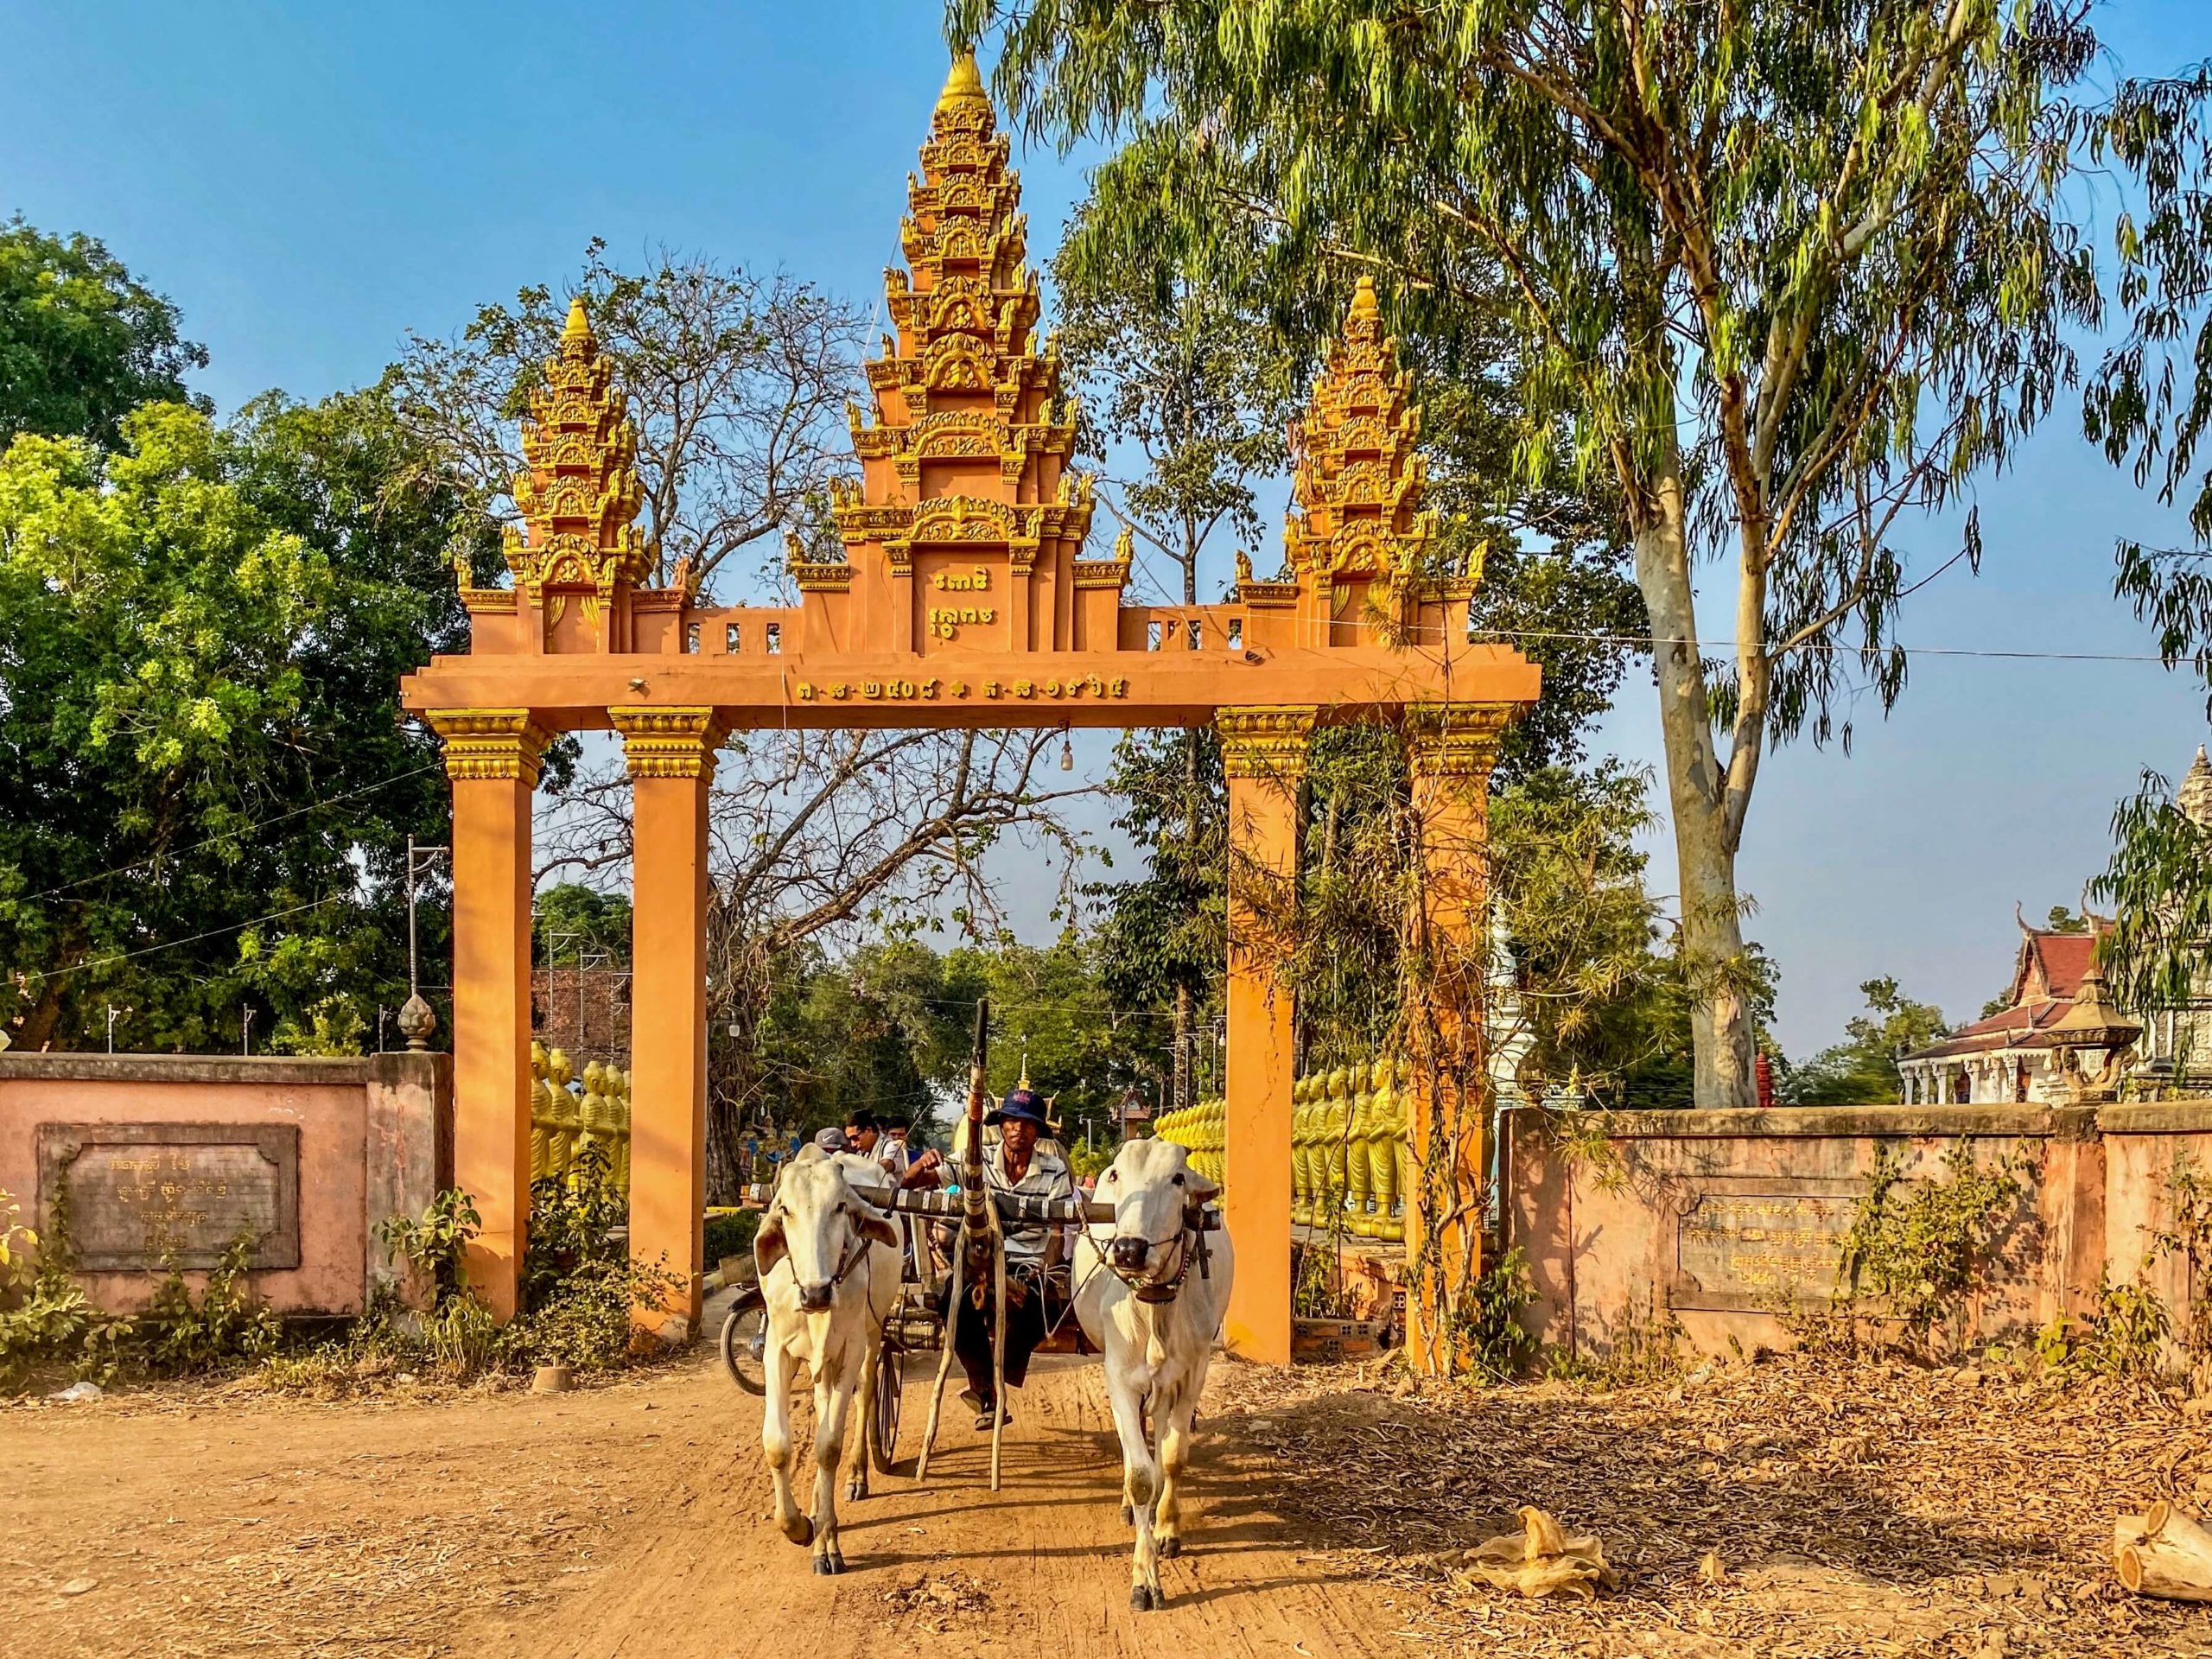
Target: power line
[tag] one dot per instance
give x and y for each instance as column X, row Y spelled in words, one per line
column 227, row 835
column 171, row 945
column 1652, row 642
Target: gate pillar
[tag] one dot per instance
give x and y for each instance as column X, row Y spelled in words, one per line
column 1453, row 748
column 1263, row 753
column 670, row 753
column 492, row 757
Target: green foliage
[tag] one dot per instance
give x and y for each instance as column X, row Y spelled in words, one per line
column 573, row 1223
column 1920, row 1248
column 46, row 1319
column 570, row 922
column 335, row 1029
column 1494, row 1342
column 2159, row 886
column 1088, row 1163
column 1166, row 930
column 1052, row 1004
column 732, row 1234
column 1862, row 1069
column 435, row 1245
column 2123, row 1335
column 211, row 787
column 47, row 1325
column 227, row 1321
column 1192, row 382
column 82, row 341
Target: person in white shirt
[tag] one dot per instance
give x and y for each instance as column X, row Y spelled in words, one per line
column 1015, row 1164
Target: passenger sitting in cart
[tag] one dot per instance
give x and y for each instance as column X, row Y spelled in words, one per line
column 1019, row 1165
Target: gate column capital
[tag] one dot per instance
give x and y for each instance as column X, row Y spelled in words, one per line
column 489, row 744
column 1456, row 739
column 670, row 742
column 1265, row 741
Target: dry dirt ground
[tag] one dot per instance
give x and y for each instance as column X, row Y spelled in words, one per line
column 1870, row 1512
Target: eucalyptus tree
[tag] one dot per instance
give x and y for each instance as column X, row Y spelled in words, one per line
column 1790, row 278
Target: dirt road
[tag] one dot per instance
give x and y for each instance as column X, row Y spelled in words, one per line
column 625, row 1519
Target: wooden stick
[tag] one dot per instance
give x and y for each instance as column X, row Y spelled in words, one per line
column 944, row 1364
column 998, row 1348
column 2164, row 1553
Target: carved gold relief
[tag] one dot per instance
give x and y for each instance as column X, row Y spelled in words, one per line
column 489, row 744
column 1265, row 742
column 670, row 742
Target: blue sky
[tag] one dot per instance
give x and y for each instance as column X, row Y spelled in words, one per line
column 311, row 182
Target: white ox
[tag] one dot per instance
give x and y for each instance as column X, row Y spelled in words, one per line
column 828, row 1267
column 1150, row 1300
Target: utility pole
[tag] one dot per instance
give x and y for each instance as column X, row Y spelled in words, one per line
column 418, row 859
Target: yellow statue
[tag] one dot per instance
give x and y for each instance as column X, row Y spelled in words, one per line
column 1387, row 1120
column 540, row 1125
column 1301, row 1124
column 1401, row 1114
column 1359, row 1175
column 565, row 1116
column 621, row 1115
column 1333, row 1125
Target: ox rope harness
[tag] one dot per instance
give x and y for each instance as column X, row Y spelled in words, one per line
column 1143, row 1285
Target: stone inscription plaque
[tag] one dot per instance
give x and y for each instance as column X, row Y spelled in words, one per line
column 1738, row 1251
column 144, row 1193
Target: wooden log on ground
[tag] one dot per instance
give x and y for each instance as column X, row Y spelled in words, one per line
column 2164, row 1553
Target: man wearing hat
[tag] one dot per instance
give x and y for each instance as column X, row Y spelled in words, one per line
column 1015, row 1164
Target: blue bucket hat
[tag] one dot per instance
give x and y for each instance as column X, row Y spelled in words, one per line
column 1020, row 1106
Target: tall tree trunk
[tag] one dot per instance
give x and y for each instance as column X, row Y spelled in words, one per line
column 1183, row 1095
column 1713, row 954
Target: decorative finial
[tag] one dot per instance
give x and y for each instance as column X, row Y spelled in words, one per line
column 964, row 85
column 1024, row 1084
column 1363, row 304
column 579, row 324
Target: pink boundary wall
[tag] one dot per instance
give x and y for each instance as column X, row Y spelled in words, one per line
column 376, row 1139
column 1603, row 1245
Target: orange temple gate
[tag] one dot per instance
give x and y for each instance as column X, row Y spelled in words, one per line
column 966, row 598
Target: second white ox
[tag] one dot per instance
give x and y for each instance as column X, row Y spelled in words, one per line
column 828, row 1267
column 1151, row 1292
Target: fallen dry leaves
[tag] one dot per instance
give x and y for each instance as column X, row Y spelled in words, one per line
column 1791, row 1507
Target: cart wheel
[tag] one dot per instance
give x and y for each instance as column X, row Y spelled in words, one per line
column 883, row 1422
column 745, row 1341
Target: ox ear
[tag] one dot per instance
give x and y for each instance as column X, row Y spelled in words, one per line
column 768, row 1241
column 1196, row 1190
column 878, row 1230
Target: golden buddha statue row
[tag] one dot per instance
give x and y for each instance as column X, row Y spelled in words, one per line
column 563, row 1124
column 1348, row 1149
column 1202, row 1130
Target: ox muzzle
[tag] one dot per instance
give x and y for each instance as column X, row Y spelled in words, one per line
column 816, row 1298
column 1130, row 1252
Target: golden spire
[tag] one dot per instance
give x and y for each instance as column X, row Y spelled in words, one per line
column 579, row 490
column 964, row 85
column 1024, row 1084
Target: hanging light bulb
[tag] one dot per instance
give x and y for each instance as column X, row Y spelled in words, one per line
column 1067, row 751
